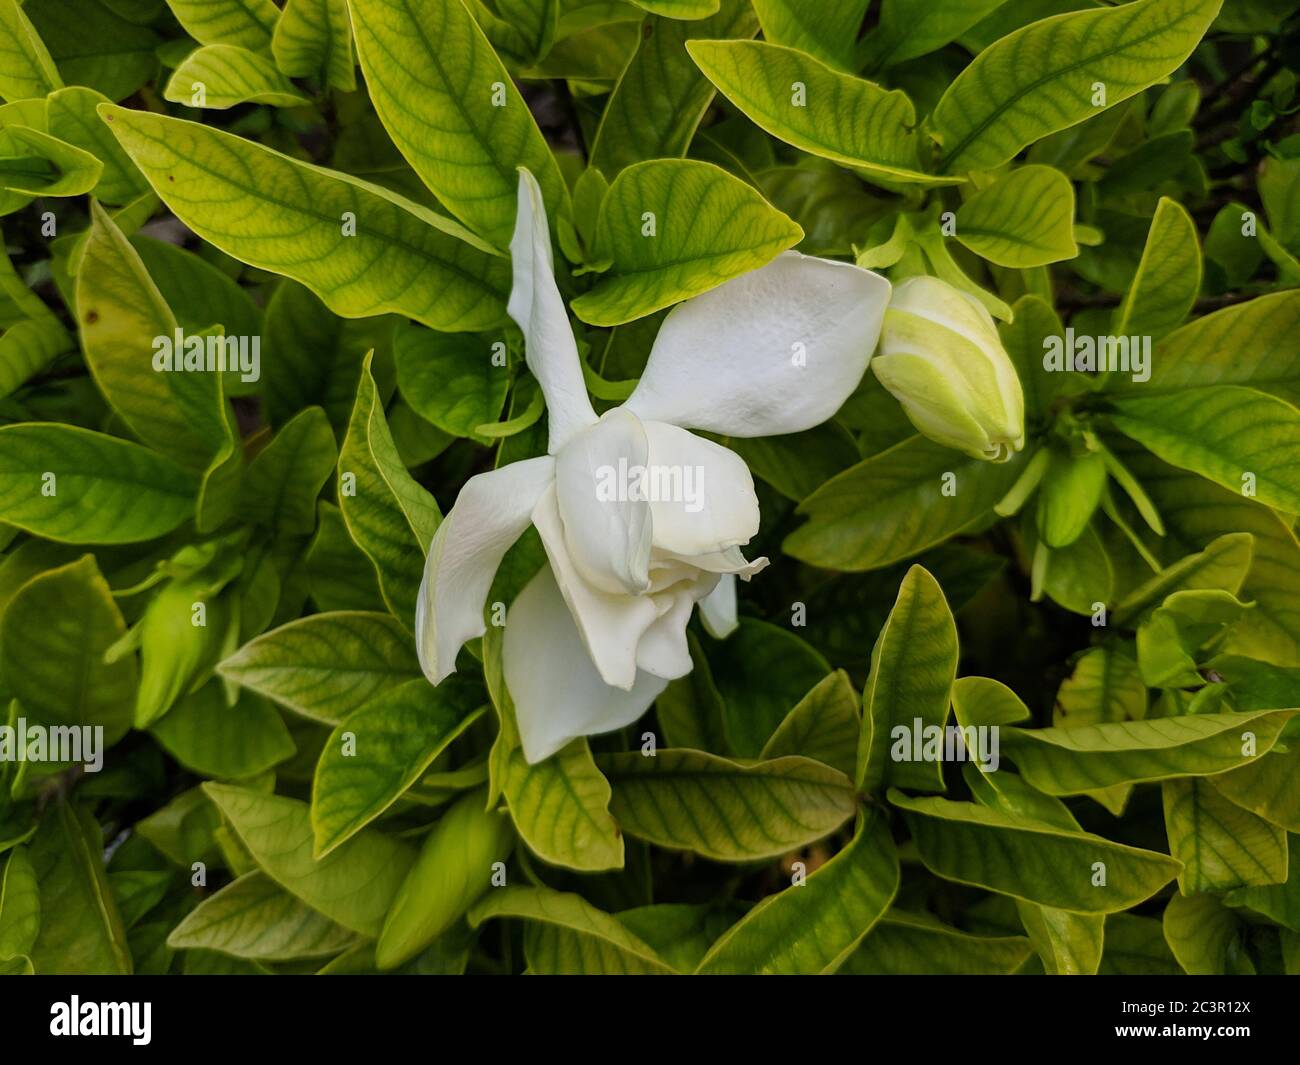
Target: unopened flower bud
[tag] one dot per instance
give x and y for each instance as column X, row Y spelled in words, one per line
column 941, row 358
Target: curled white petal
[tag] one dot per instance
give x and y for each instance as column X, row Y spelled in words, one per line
column 718, row 609
column 491, row 513
column 536, row 305
column 777, row 350
column 606, row 529
column 610, row 624
column 558, row 694
column 705, row 500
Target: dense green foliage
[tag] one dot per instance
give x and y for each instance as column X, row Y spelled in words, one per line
column 220, row 570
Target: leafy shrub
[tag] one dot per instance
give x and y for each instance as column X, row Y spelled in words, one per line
column 265, row 321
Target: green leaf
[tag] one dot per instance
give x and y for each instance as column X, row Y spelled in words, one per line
column 245, row 23
column 221, row 76
column 1069, row 496
column 20, row 905
column 561, row 806
column 455, row 382
column 339, row 576
column 823, row 725
column 53, row 638
column 105, row 490
column 813, row 926
column 390, row 516
column 661, row 96
column 1168, row 277
column 1068, row 943
column 94, row 46
column 26, row 69
column 913, row 664
column 123, row 317
column 382, row 748
column 892, row 506
column 1269, row 787
column 253, row 917
column 283, row 481
column 907, row 30
column 1043, row 77
column 294, row 219
column 452, row 110
column 231, row 741
column 313, row 39
column 457, row 864
column 1251, row 343
column 73, row 118
column 838, row 117
column 1202, row 934
column 575, row 936
column 27, row 348
column 1031, row 860
column 1279, row 902
column 691, row 711
column 1279, row 189
column 725, row 810
column 907, row 944
column 46, row 166
column 318, row 356
column 1220, row 845
column 1135, row 946
column 1022, row 220
column 828, row 32
column 682, row 9
column 353, row 885
column 1068, row 761
column 674, row 228
column 326, row 665
column 1195, row 512
column 1237, row 437
column 754, row 704
column 1223, row 565
column 81, row 933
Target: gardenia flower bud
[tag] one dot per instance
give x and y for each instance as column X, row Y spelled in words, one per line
column 941, row 358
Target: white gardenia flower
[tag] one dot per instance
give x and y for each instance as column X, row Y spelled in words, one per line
column 598, row 633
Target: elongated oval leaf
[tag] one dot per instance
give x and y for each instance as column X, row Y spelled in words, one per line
column 69, row 484
column 674, row 228
column 1168, row 277
column 452, row 110
column 253, row 917
column 1236, row 437
column 1220, row 845
column 1024, row 219
column 1032, row 860
column 382, row 748
column 327, row 665
column 220, row 76
column 812, row 927
column 353, row 885
column 1045, row 77
column 1067, row 761
column 318, row 226
column 725, row 810
column 807, row 104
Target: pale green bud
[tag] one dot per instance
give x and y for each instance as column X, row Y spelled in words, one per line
column 941, row 358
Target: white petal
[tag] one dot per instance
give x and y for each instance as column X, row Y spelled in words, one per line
column 610, row 624
column 663, row 650
column 558, row 694
column 491, row 513
column 718, row 609
column 536, row 305
column 705, row 499
column 608, row 534
column 777, row 350
column 731, row 562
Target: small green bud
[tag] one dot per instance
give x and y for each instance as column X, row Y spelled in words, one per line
column 941, row 358
column 453, row 870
